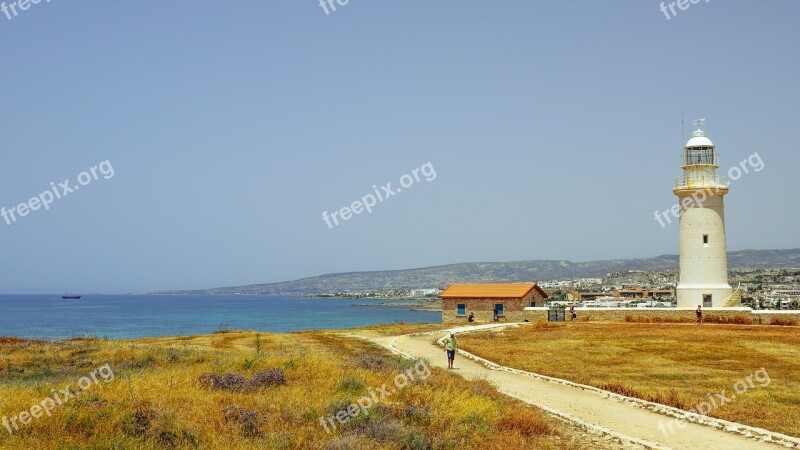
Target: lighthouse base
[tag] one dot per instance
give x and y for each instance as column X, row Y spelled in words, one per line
column 707, row 295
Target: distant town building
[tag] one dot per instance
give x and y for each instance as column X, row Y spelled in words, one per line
column 627, row 293
column 787, row 292
column 424, row 292
column 509, row 299
column 576, row 282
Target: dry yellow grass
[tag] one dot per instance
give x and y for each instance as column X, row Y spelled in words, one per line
column 406, row 328
column 156, row 400
column 675, row 364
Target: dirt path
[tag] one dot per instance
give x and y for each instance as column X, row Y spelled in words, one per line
column 624, row 420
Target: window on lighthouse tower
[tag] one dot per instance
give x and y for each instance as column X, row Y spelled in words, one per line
column 705, row 240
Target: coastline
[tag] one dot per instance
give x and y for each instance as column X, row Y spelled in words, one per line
column 131, row 317
column 416, row 304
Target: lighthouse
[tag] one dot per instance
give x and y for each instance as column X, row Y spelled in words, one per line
column 703, row 278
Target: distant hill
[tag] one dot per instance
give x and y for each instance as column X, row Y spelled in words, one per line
column 490, row 272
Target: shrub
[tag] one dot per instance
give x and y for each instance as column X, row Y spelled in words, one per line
column 174, row 355
column 620, row 389
column 249, row 421
column 352, row 385
column 231, row 382
column 418, row 413
column 671, row 398
column 258, row 344
column 347, row 442
column 238, row 383
column 414, row 439
column 175, row 439
column 338, row 405
column 273, row 376
column 228, row 382
column 527, row 422
column 736, row 319
column 383, row 431
column 478, row 420
column 223, row 329
column 248, row 364
column 289, row 364
column 405, row 364
column 782, row 321
column 139, row 423
column 384, row 410
column 143, row 362
column 484, row 388
column 373, row 362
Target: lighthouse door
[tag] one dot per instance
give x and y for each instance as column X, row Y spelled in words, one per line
column 707, row 300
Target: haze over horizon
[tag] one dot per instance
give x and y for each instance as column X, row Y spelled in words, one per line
column 554, row 132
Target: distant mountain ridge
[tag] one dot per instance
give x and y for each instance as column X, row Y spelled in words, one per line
column 491, row 272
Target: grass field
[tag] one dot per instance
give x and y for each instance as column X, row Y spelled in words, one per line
column 278, row 388
column 674, row 364
column 405, row 328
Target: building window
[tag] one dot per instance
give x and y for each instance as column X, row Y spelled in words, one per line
column 533, row 304
column 707, row 300
column 499, row 308
column 461, row 309
column 705, row 240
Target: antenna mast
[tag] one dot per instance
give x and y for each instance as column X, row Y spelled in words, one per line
column 683, row 133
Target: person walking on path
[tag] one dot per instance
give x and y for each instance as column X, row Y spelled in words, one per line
column 572, row 314
column 699, row 313
column 450, row 346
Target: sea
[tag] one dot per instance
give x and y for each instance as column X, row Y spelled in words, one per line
column 138, row 316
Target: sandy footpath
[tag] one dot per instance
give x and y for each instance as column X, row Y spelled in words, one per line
column 621, row 418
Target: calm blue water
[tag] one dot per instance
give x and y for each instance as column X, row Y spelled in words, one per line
column 135, row 316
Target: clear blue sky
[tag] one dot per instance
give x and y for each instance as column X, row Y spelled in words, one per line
column 553, row 127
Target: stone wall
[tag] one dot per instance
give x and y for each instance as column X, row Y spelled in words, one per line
column 483, row 313
column 656, row 314
column 765, row 317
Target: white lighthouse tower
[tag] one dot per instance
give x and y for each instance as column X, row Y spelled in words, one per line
column 703, row 276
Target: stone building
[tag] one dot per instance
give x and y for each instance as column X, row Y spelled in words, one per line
column 510, row 300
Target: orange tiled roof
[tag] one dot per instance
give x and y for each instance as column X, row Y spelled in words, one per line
column 495, row 290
